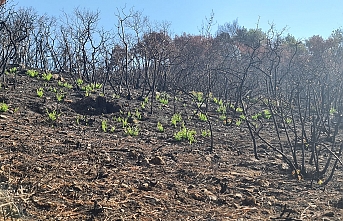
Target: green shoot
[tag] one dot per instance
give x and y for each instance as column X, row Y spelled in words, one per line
column 132, row 131
column 202, row 117
column 160, row 127
column 205, row 133
column 138, row 115
column 175, row 119
column 67, row 85
column 32, row 73
column 12, row 71
column 238, row 123
column 266, row 114
column 256, row 116
column 104, row 125
column 79, row 81
column 239, row 109
column 124, row 122
column 47, row 76
column 52, row 115
column 333, row 111
column 59, row 96
column 40, row 92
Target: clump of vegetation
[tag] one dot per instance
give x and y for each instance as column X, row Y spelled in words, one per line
column 185, row 134
column 104, row 125
column 202, row 117
column 132, row 131
column 32, row 73
column 175, row 119
column 40, row 92
column 199, row 96
column 138, row 114
column 163, row 98
column 12, row 70
column 59, row 96
column 266, row 114
column 65, row 84
column 3, row 107
column 53, row 115
column 47, row 76
column 160, row 127
column 205, row 133
column 79, row 81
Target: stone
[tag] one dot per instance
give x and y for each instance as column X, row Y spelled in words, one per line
column 157, row 161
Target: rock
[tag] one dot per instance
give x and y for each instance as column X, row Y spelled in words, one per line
column 329, row 214
column 283, row 166
column 249, row 201
column 145, row 187
column 157, row 161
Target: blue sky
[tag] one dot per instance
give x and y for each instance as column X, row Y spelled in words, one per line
column 303, row 18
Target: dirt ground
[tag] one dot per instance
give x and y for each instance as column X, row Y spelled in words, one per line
column 70, row 169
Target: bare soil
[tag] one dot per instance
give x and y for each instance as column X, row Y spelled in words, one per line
column 70, row 169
